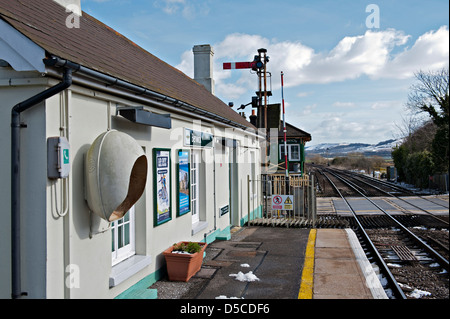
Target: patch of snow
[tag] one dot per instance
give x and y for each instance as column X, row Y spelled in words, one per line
column 417, row 293
column 389, row 293
column 245, row 265
column 225, row 297
column 245, row 277
column 383, row 280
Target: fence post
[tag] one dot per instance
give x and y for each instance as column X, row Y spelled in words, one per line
column 313, row 201
column 248, row 200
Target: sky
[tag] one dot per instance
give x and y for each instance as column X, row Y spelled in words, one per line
column 348, row 64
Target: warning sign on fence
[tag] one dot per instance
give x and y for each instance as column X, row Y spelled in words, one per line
column 283, row 202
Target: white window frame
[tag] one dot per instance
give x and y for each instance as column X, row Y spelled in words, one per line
column 289, row 147
column 118, row 227
column 291, row 158
column 195, row 186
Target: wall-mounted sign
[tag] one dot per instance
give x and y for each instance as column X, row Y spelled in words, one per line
column 184, row 183
column 224, row 210
column 283, row 202
column 196, row 138
column 162, row 186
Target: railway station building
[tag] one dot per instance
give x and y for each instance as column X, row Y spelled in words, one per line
column 295, row 145
column 109, row 156
column 295, row 142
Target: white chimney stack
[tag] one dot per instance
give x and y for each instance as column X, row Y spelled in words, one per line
column 71, row 5
column 203, row 66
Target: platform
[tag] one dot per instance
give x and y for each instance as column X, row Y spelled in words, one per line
column 284, row 263
column 341, row 269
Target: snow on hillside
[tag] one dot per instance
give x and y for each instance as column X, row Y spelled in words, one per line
column 335, row 149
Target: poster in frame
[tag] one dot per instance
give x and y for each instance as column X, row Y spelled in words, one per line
column 183, row 182
column 162, row 186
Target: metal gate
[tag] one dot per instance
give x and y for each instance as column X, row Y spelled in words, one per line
column 301, row 210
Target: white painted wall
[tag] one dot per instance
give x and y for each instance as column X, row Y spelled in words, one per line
column 53, row 244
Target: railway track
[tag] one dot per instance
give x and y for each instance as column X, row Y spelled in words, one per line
column 408, row 263
column 394, row 191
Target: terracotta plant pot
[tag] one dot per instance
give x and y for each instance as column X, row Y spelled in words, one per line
column 181, row 267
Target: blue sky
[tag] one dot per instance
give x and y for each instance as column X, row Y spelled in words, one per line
column 345, row 80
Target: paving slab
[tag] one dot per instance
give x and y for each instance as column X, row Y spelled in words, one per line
column 337, row 274
column 275, row 257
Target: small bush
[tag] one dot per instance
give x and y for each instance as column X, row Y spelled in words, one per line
column 190, row 247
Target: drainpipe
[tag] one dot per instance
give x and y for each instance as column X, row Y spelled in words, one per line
column 15, row 176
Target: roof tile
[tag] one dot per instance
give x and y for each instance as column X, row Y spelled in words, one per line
column 101, row 48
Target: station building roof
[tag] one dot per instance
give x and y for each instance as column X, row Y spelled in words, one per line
column 97, row 46
column 293, row 132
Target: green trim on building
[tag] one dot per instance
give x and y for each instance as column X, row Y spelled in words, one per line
column 257, row 213
column 140, row 290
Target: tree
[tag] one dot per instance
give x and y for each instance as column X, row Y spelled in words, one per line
column 420, row 166
column 399, row 155
column 430, row 95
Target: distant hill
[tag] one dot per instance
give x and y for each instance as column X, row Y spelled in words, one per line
column 382, row 149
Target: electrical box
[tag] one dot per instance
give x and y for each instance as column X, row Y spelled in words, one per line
column 58, row 157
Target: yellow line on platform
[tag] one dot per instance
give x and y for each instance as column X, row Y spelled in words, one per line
column 306, row 286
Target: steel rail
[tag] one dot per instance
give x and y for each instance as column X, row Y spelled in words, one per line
column 391, row 185
column 356, row 176
column 440, row 259
column 400, row 188
column 385, row 269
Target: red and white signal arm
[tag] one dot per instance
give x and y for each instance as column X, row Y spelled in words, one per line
column 237, row 65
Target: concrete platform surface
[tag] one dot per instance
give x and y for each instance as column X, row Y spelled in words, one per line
column 270, row 263
column 337, row 273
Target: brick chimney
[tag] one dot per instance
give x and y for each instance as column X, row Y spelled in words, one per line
column 253, row 118
column 203, row 66
column 72, row 5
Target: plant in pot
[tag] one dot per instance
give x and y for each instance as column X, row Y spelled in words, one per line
column 184, row 260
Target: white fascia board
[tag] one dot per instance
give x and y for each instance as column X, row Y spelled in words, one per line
column 19, row 51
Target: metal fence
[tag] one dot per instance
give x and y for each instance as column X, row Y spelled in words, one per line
column 300, row 207
column 439, row 182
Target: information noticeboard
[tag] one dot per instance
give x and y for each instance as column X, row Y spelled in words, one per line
column 162, row 186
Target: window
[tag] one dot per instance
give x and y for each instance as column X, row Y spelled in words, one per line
column 195, row 170
column 293, row 152
column 282, row 153
column 123, row 237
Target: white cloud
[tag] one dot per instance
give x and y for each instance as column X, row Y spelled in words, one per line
column 429, row 52
column 354, row 57
column 188, row 9
column 344, row 104
column 370, row 54
column 170, row 6
column 307, row 110
column 339, row 128
column 304, row 94
column 230, row 90
column 187, row 64
column 379, row 105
